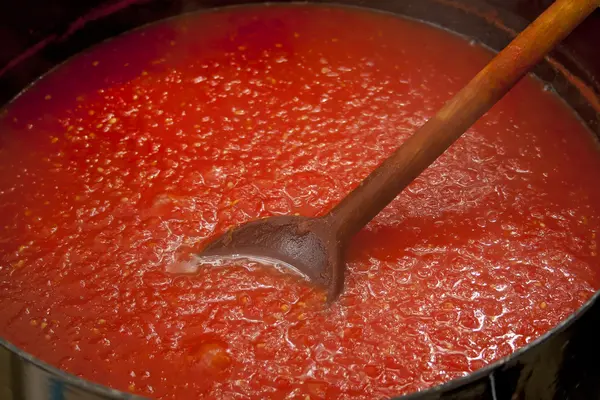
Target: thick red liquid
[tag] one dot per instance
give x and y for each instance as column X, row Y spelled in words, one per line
column 127, row 158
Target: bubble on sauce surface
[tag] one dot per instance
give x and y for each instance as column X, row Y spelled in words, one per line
column 195, row 262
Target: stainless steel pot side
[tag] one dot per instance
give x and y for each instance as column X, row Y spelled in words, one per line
column 36, row 35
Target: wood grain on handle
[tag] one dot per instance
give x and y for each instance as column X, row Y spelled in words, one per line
column 457, row 115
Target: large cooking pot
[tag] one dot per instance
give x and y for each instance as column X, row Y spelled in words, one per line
column 36, row 35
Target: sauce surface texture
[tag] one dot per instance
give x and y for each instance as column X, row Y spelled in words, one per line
column 127, row 158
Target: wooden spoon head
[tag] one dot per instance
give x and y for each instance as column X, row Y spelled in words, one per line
column 307, row 244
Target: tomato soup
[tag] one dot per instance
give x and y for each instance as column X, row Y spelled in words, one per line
column 125, row 160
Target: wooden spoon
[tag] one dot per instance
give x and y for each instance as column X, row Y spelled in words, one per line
column 315, row 246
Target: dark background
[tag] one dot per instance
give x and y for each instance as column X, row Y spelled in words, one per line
column 24, row 23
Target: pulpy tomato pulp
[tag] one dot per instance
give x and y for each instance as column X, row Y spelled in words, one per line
column 124, row 160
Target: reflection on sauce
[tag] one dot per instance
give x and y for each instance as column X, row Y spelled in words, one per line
column 124, row 160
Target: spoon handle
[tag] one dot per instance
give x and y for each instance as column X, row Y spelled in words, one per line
column 456, row 116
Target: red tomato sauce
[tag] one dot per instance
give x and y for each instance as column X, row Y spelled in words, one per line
column 127, row 158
